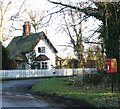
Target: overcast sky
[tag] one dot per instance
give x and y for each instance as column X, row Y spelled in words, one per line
column 57, row 38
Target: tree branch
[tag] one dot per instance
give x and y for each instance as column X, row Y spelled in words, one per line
column 66, row 46
column 16, row 28
column 7, row 7
column 66, row 5
column 86, row 10
column 72, row 40
column 92, row 34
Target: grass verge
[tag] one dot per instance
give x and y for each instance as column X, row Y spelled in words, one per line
column 6, row 79
column 98, row 97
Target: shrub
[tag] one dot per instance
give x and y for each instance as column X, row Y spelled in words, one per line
column 73, row 63
column 107, row 77
column 10, row 64
column 58, row 67
column 94, row 79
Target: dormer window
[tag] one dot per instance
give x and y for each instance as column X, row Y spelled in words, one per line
column 41, row 49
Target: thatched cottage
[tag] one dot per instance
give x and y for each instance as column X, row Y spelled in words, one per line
column 32, row 50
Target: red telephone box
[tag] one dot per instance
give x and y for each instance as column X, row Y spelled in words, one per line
column 111, row 65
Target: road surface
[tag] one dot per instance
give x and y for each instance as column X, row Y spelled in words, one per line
column 15, row 93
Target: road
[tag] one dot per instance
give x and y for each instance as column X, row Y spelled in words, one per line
column 15, row 93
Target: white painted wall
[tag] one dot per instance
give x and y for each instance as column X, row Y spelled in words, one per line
column 49, row 52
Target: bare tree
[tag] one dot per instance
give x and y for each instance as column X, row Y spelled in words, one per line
column 108, row 13
column 37, row 18
column 5, row 17
column 71, row 24
column 75, row 34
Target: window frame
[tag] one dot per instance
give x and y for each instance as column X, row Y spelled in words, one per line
column 41, row 49
column 44, row 65
column 38, row 65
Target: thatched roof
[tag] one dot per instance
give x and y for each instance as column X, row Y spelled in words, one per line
column 21, row 45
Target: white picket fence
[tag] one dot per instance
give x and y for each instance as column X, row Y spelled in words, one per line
column 44, row 73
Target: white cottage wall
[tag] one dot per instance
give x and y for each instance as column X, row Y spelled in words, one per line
column 27, row 66
column 49, row 52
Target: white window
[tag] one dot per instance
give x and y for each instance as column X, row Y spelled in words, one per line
column 41, row 49
column 44, row 65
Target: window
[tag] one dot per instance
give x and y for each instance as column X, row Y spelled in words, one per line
column 44, row 65
column 23, row 66
column 38, row 65
column 41, row 49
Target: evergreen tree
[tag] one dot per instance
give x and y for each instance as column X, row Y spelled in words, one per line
column 4, row 56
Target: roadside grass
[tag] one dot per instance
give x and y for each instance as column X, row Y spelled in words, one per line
column 6, row 79
column 96, row 96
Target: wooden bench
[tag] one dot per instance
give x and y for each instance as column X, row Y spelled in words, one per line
column 72, row 81
column 78, row 79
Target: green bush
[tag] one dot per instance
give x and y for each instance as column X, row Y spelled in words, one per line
column 94, row 79
column 107, row 77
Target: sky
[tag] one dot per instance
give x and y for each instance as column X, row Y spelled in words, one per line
column 59, row 38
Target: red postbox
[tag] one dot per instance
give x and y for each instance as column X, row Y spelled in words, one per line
column 111, row 65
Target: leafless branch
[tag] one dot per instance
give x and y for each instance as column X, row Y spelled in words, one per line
column 16, row 28
column 93, row 42
column 66, row 5
column 21, row 6
column 66, row 46
column 89, row 37
column 58, row 11
column 7, row 7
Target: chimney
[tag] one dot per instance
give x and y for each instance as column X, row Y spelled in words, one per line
column 26, row 28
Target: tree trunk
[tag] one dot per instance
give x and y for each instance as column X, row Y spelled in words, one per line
column 1, row 29
column 1, row 23
column 118, row 67
column 0, row 56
